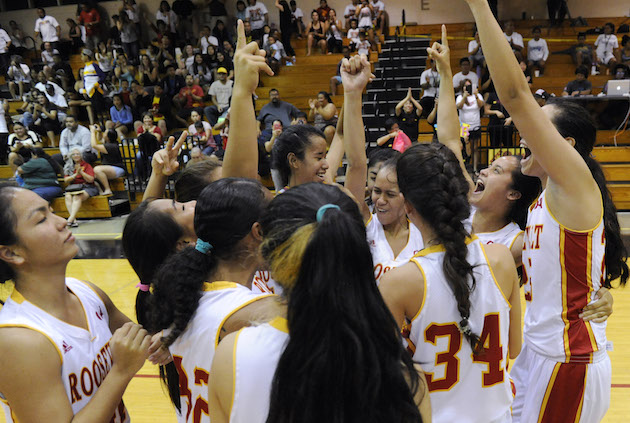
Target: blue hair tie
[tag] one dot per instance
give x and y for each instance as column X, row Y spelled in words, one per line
column 322, row 210
column 202, row 246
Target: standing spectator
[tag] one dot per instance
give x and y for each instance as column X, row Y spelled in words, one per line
column 19, row 75
column 258, row 17
column 335, row 81
column 114, row 42
column 515, row 39
column 334, row 35
column 476, row 54
column 18, row 39
column 469, row 103
column 286, row 27
column 39, row 174
column 121, row 117
column 112, row 165
column 130, row 8
column 381, row 17
column 218, row 12
column 47, row 53
column 91, row 19
column 537, row 52
column 430, row 82
column 74, row 136
column 64, row 72
column 323, row 10
column 324, row 115
column 350, row 12
column 557, row 9
column 129, row 37
column 76, row 34
column 315, row 32
column 189, row 98
column 47, row 27
column 364, row 15
column 298, row 19
column 80, row 175
column 408, row 112
column 500, row 128
column 606, row 48
column 166, row 15
column 184, row 10
column 45, row 119
column 5, row 44
column 580, row 85
column 459, row 79
column 276, row 109
column 93, row 79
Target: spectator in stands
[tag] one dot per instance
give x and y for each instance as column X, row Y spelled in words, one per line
column 75, row 136
column 500, row 127
column 241, row 11
column 364, row 45
column 228, row 50
column 196, row 117
column 324, row 115
column 19, row 76
column 47, row 27
column 4, row 130
column 364, row 15
column 123, row 69
column 113, row 41
column 224, row 61
column 276, row 55
column 64, row 72
column 130, row 8
column 200, row 71
column 141, row 100
column 172, row 83
column 315, row 33
column 620, row 72
column 124, row 92
column 166, row 15
column 207, row 39
column 91, row 19
column 323, row 10
column 541, row 96
column 353, row 34
column 93, row 80
column 47, row 54
column 334, row 35
column 39, row 174
column 184, row 10
column 220, row 94
column 298, row 19
column 149, row 141
column 189, row 98
column 105, row 58
column 80, row 175
column 276, row 109
column 381, row 17
column 408, row 112
column 147, row 71
column 218, row 11
column 112, row 165
column 45, row 119
column 286, row 26
column 76, row 34
column 582, row 53
column 515, row 39
column 335, row 81
column 580, row 85
column 607, row 47
column 204, row 138
column 129, row 37
column 392, row 128
column 196, row 156
column 476, row 54
column 21, row 144
column 429, row 82
column 18, row 39
column 5, row 45
column 162, row 111
column 258, row 16
column 300, row 119
column 624, row 54
column 121, row 117
column 469, row 103
column 537, row 52
column 459, row 79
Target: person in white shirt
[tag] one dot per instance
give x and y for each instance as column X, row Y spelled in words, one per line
column 605, row 47
column 196, row 117
column 537, row 52
column 220, row 92
column 469, row 103
column 168, row 16
column 207, row 39
column 47, row 54
column 5, row 43
column 19, row 74
column 298, row 17
column 476, row 54
column 258, row 17
column 47, row 27
column 429, row 82
column 350, row 12
column 515, row 39
column 364, row 45
column 353, row 34
column 460, row 77
column 381, row 17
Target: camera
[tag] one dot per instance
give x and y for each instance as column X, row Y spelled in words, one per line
column 468, row 89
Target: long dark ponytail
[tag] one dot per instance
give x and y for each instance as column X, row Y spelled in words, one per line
column 573, row 121
column 344, row 357
column 8, row 221
column 529, row 187
column 431, row 179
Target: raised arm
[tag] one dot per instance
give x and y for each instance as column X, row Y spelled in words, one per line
column 448, row 127
column 402, row 102
column 335, row 152
column 241, row 155
column 570, row 186
column 163, row 165
column 94, row 129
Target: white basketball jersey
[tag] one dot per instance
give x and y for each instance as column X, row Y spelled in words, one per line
column 86, row 356
column 382, row 254
column 562, row 270
column 506, row 235
column 254, row 371
column 194, row 349
column 464, row 388
column 263, row 283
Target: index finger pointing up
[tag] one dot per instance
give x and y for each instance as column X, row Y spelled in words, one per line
column 444, row 37
column 241, row 41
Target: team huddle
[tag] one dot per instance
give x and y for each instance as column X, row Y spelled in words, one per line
column 324, row 303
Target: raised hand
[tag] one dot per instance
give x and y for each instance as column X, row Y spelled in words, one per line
column 249, row 60
column 356, row 73
column 441, row 53
column 165, row 160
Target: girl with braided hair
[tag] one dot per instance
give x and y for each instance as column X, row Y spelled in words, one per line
column 461, row 297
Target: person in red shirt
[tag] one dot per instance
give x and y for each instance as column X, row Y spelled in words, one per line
column 323, row 10
column 91, row 19
column 79, row 176
column 189, row 98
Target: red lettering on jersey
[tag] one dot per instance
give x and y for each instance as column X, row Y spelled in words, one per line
column 538, row 229
column 74, row 393
column 532, row 243
column 98, row 374
column 84, row 387
column 537, row 205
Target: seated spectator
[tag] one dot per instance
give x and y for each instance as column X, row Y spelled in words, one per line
column 334, row 34
column 228, row 50
column 207, row 39
column 300, row 119
column 620, row 72
column 105, row 58
column 196, row 117
column 459, row 79
column 148, row 126
column 276, row 109
column 168, row 16
column 324, row 115
column 225, row 62
column 335, row 81
column 276, row 55
column 541, row 96
column 580, row 85
column 141, row 100
column 64, row 72
column 124, row 92
column 381, row 17
column 21, row 144
column 323, row 10
column 241, row 12
column 258, row 16
column 196, row 156
column 364, row 15
column 80, row 176
column 315, row 33
column 112, row 165
column 606, row 48
column 47, row 54
column 392, row 128
column 220, row 93
column 189, row 98
column 121, row 117
column 163, row 111
column 123, row 69
column 429, row 82
column 298, row 19
column 45, row 119
column 39, row 174
column 353, row 34
column 476, row 54
column 221, row 33
column 469, row 104
column 149, row 141
column 582, row 53
column 172, row 83
column 408, row 112
column 204, row 138
column 188, row 55
column 75, row 136
column 147, row 71
column 349, row 13
column 537, row 51
column 76, row 34
column 19, row 76
column 515, row 39
column 166, row 53
column 624, row 54
column 18, row 39
column 200, row 71
column 210, row 57
column 527, row 72
column 364, row 45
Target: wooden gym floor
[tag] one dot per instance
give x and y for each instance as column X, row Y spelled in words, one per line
column 147, row 402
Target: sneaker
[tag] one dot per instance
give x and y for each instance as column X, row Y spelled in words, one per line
column 290, row 64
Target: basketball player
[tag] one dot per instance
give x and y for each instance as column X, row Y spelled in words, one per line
column 334, row 355
column 572, row 246
column 201, row 293
column 58, row 358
